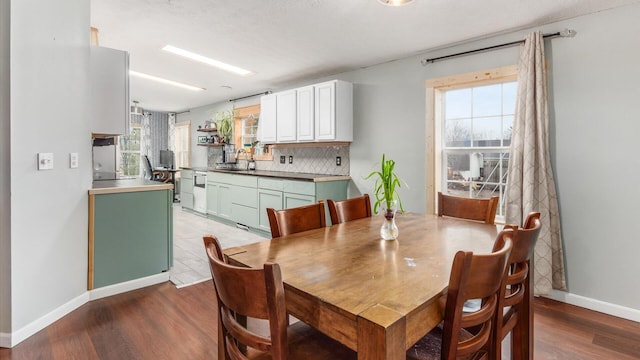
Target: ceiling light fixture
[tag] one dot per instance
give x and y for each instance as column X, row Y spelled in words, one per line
column 395, row 2
column 165, row 81
column 203, row 59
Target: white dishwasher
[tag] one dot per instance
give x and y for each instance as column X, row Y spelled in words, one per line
column 200, row 191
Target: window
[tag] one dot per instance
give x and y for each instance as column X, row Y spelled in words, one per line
column 129, row 152
column 472, row 120
column 182, row 144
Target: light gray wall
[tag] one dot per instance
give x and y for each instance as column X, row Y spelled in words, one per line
column 197, row 117
column 5, row 184
column 49, row 214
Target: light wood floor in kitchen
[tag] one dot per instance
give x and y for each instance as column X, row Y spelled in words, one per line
column 190, row 264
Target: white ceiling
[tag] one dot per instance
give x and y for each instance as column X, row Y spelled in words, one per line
column 285, row 41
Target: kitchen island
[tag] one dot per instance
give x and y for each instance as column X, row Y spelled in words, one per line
column 130, row 234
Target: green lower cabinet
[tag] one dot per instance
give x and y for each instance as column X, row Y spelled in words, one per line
column 212, row 198
column 295, row 200
column 133, row 235
column 267, row 199
column 244, row 199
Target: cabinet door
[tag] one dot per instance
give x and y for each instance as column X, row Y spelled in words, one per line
column 224, row 201
column 109, row 91
column 325, row 111
column 186, row 200
column 305, row 114
column 267, row 122
column 286, row 116
column 267, row 199
column 295, row 200
column 212, row 198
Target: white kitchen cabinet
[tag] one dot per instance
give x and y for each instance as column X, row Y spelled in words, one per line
column 110, row 109
column 334, row 111
column 267, row 122
column 305, row 114
column 286, row 116
column 321, row 112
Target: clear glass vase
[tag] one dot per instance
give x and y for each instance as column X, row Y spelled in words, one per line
column 389, row 229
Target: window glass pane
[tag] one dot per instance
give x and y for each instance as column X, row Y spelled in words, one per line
column 487, row 131
column 509, row 93
column 487, row 100
column 458, row 104
column 458, row 133
column 507, row 125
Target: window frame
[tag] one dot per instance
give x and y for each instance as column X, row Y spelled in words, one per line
column 434, row 91
column 177, row 128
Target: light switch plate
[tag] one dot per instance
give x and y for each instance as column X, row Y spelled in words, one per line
column 45, row 161
column 73, row 160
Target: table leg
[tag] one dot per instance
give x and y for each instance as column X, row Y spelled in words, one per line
column 381, row 334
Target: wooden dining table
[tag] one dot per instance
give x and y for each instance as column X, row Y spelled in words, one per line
column 377, row 297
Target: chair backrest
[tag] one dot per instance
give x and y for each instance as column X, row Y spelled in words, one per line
column 350, row 209
column 474, row 276
column 295, row 220
column 255, row 293
column 518, row 274
column 467, row 208
column 148, row 169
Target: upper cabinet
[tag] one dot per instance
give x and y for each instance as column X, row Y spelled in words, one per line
column 320, row 112
column 286, row 116
column 109, row 91
column 267, row 123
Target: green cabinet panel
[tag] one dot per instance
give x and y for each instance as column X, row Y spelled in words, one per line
column 133, row 235
column 245, row 215
column 186, row 189
column 267, row 199
column 295, row 200
column 225, row 196
column 212, row 198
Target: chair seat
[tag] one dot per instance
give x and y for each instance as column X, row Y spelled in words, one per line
column 428, row 348
column 307, row 343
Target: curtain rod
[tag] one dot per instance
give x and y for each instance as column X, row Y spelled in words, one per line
column 248, row 96
column 563, row 33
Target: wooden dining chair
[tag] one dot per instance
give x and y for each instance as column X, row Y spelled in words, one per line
column 473, row 276
column 518, row 295
column 467, row 208
column 350, row 209
column 295, row 220
column 259, row 294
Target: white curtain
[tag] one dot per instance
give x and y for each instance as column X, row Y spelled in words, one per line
column 530, row 186
column 145, row 139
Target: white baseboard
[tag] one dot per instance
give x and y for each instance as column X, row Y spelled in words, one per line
column 12, row 339
column 596, row 305
column 5, row 340
column 128, row 286
column 18, row 336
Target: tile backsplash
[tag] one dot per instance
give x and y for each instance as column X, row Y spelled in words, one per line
column 315, row 160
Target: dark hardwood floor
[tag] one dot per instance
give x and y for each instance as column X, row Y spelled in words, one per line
column 162, row 322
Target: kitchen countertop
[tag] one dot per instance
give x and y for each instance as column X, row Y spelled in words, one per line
column 126, row 185
column 278, row 174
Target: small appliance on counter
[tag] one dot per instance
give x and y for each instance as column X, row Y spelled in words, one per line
column 105, row 162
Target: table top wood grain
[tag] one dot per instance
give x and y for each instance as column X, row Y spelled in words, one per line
column 361, row 290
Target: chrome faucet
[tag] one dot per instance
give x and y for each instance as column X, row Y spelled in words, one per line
column 246, row 156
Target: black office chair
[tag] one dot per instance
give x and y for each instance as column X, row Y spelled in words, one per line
column 149, row 174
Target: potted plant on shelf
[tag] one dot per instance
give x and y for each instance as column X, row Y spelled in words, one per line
column 386, row 193
column 224, row 124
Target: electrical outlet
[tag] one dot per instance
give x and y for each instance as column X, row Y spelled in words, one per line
column 290, row 159
column 73, row 160
column 338, row 161
column 282, row 159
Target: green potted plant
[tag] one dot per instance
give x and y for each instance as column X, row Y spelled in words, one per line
column 386, row 193
column 224, row 125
